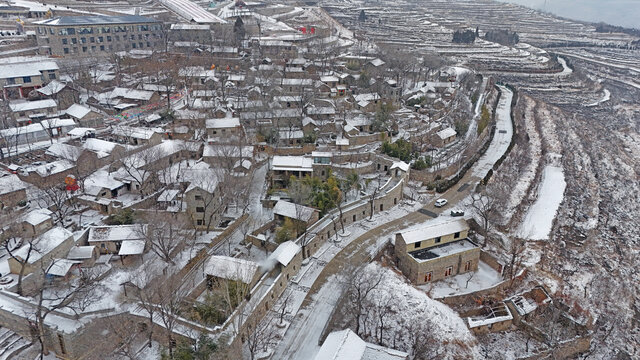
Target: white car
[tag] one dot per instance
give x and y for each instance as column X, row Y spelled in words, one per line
column 441, row 202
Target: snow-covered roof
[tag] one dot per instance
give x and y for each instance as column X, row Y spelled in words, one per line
column 18, row 106
column 329, row 78
column 15, row 70
column 230, row 268
column 135, row 132
column 116, row 233
column 494, row 315
column 37, row 217
column 291, row 163
column 52, row 87
column 366, row 97
column 44, row 244
column 192, row 12
column 432, row 230
column 54, row 167
column 293, row 211
column 99, row 180
column 190, row 27
column 376, row 62
column 285, row 252
column 168, row 195
column 81, row 131
column 64, row 151
column 227, row 151
column 77, row 111
column 377, row 352
column 99, row 145
column 342, row 142
column 400, row 165
column 446, row 133
column 96, row 20
column 223, row 123
column 131, row 247
column 342, row 345
column 11, row 183
column 81, row 252
column 132, row 94
column 60, row 267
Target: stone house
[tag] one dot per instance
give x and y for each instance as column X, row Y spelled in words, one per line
column 36, row 222
column 87, row 255
column 435, row 251
column 20, row 78
column 137, row 136
column 12, row 191
column 223, row 130
column 109, row 239
column 84, row 115
column 444, row 137
column 295, row 212
column 39, row 252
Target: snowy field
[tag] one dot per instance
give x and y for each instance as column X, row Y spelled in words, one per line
column 502, row 137
column 539, row 219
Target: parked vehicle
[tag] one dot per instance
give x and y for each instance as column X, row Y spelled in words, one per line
column 441, row 202
column 457, row 213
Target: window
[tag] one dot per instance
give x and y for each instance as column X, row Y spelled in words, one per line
column 26, row 79
column 456, row 235
column 197, row 197
column 417, row 245
column 92, row 39
column 427, row 277
column 354, row 217
column 65, row 41
column 133, row 45
column 74, row 40
column 139, row 36
column 200, row 209
column 448, row 270
column 83, row 40
column 52, row 74
column 467, row 266
column 199, row 222
column 438, row 239
column 140, row 45
column 84, row 49
column 117, row 37
column 101, row 47
column 11, row 81
column 93, row 48
column 66, row 50
column 100, row 39
column 108, row 38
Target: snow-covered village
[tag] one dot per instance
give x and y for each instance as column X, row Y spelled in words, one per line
column 317, row 180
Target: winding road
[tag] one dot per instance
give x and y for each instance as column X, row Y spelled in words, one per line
column 301, row 339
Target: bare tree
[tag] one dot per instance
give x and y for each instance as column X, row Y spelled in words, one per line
column 483, row 205
column 260, row 336
column 359, row 286
column 12, row 244
column 515, row 254
column 170, row 307
column 164, row 234
column 141, row 168
column 60, row 201
column 300, row 194
column 72, row 296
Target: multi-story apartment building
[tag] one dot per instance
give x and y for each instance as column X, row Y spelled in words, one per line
column 97, row 35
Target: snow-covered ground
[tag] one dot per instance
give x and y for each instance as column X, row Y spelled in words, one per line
column 502, row 137
column 539, row 219
column 484, row 278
